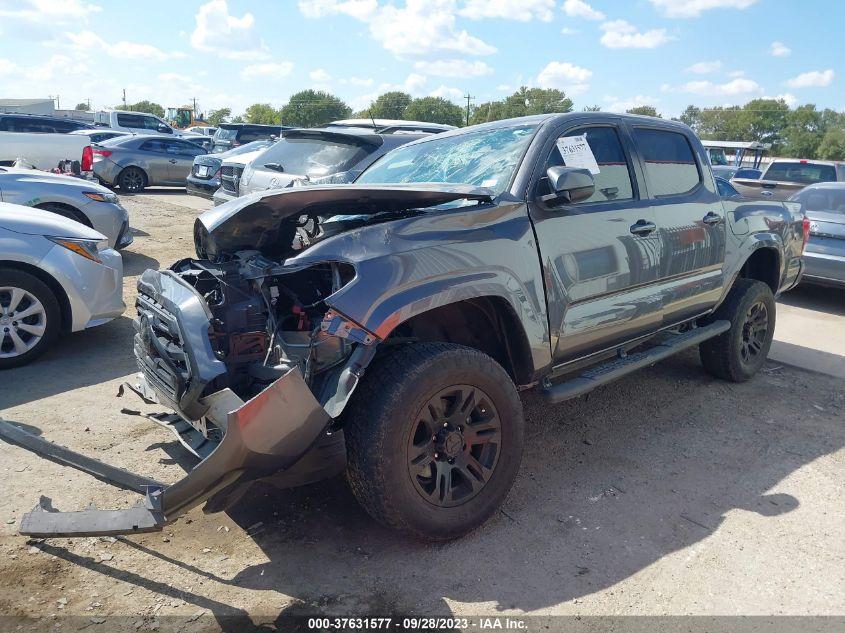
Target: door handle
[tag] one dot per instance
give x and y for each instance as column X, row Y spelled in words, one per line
column 643, row 227
column 712, row 218
column 173, row 160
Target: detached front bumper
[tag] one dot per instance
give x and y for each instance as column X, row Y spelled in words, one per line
column 263, row 436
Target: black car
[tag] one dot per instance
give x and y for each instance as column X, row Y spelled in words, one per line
column 40, row 124
column 231, row 135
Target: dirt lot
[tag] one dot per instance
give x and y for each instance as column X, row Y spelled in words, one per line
column 667, row 493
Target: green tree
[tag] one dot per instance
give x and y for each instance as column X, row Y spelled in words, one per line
column 804, row 132
column 764, row 120
column 83, row 106
column 312, row 108
column 238, row 119
column 691, row 117
column 262, row 113
column 523, row 102
column 390, row 105
column 147, row 107
column 526, row 101
column 216, row 117
column 645, row 110
column 435, row 110
column 832, row 146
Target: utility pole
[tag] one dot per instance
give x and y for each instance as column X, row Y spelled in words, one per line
column 195, row 106
column 124, row 98
column 469, row 98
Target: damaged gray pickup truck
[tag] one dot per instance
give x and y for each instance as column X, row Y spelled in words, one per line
column 384, row 328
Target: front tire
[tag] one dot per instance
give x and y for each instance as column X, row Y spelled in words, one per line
column 740, row 352
column 132, row 180
column 30, row 318
column 434, row 437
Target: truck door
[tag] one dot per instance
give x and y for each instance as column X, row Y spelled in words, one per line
column 600, row 255
column 690, row 222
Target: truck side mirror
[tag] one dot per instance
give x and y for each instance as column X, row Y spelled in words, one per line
column 569, row 184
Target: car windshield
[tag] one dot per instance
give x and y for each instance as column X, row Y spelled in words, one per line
column 805, row 173
column 225, row 135
column 312, row 157
column 486, row 158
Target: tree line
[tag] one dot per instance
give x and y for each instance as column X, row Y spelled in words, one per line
column 801, row 132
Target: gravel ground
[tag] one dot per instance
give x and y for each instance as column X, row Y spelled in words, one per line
column 668, row 492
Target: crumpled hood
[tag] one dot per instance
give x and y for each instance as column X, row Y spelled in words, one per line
column 253, row 222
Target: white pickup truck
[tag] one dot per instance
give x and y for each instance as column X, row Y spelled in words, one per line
column 45, row 151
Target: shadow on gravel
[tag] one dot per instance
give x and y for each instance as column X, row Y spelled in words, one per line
column 93, row 356
column 821, row 299
column 136, row 263
column 609, row 485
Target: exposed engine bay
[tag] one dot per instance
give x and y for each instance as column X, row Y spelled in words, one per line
column 267, row 320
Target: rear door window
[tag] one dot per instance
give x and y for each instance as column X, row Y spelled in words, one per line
column 130, row 120
column 670, row 165
column 154, row 146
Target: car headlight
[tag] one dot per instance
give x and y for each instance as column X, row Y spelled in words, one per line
column 89, row 249
column 101, row 197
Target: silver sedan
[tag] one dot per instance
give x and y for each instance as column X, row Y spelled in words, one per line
column 824, row 257
column 56, row 276
column 136, row 162
column 82, row 200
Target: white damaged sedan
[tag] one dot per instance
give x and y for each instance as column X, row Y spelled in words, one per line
column 56, row 276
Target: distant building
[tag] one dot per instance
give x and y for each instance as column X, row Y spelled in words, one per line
column 27, row 106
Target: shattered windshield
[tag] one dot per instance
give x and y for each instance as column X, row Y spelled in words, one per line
column 486, row 158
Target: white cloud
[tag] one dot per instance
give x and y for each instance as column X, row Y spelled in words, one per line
column 738, row 86
column 779, row 49
column 358, row 9
column 87, row 43
column 565, row 76
column 454, row 68
column 226, row 35
column 319, row 75
column 50, row 12
column 358, row 81
column 419, row 28
column 580, row 9
column 615, row 104
column 447, row 92
column 520, row 10
column 812, row 79
column 423, row 27
column 569, row 31
column 703, row 68
column 622, row 34
column 266, row 70
column 694, row 8
column 7, row 67
column 790, row 99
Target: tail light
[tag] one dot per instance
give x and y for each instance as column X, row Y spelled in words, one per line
column 102, row 152
column 87, row 158
column 806, row 228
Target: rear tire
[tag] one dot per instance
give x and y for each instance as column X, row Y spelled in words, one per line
column 30, row 319
column 740, row 352
column 132, row 180
column 434, row 439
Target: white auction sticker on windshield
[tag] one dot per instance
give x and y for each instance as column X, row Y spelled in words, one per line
column 576, row 152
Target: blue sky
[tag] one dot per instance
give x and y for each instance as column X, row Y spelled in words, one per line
column 615, row 54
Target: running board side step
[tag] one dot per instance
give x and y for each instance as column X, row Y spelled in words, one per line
column 623, row 365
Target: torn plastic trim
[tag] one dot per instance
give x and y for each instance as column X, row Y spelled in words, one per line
column 268, row 434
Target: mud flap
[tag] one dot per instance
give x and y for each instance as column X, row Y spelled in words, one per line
column 268, row 434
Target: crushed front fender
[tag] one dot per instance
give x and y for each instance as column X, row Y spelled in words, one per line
column 265, row 435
